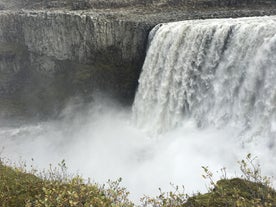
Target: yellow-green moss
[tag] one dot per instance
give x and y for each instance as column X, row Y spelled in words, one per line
column 21, row 189
column 17, row 187
column 235, row 192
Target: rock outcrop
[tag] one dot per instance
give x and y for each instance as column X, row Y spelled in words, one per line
column 88, row 4
column 46, row 57
column 50, row 55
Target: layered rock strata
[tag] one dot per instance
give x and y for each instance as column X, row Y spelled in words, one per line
column 46, row 57
column 49, row 56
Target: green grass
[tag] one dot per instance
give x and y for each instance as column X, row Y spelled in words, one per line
column 55, row 188
column 18, row 188
column 235, row 192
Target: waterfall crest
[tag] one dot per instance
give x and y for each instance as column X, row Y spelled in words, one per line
column 219, row 72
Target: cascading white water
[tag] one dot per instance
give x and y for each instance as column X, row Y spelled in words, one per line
column 216, row 72
column 220, row 74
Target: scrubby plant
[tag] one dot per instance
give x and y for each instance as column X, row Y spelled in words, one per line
column 250, row 190
column 73, row 192
column 175, row 198
column 16, row 187
column 56, row 188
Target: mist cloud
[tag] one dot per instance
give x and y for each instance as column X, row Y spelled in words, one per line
column 100, row 141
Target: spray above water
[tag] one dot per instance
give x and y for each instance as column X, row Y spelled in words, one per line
column 207, row 85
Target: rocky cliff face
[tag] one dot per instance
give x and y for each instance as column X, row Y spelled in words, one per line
column 88, row 4
column 48, row 56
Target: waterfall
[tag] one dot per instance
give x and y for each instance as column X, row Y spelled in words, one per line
column 218, row 73
column 207, row 90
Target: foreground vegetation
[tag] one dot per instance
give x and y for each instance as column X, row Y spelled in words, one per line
column 55, row 188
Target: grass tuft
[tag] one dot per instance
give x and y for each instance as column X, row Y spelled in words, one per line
column 55, row 188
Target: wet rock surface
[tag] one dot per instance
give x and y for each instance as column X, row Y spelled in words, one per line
column 49, row 55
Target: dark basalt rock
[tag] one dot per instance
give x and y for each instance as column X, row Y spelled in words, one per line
column 49, row 55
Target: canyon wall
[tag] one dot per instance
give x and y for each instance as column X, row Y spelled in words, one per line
column 48, row 56
column 88, row 4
